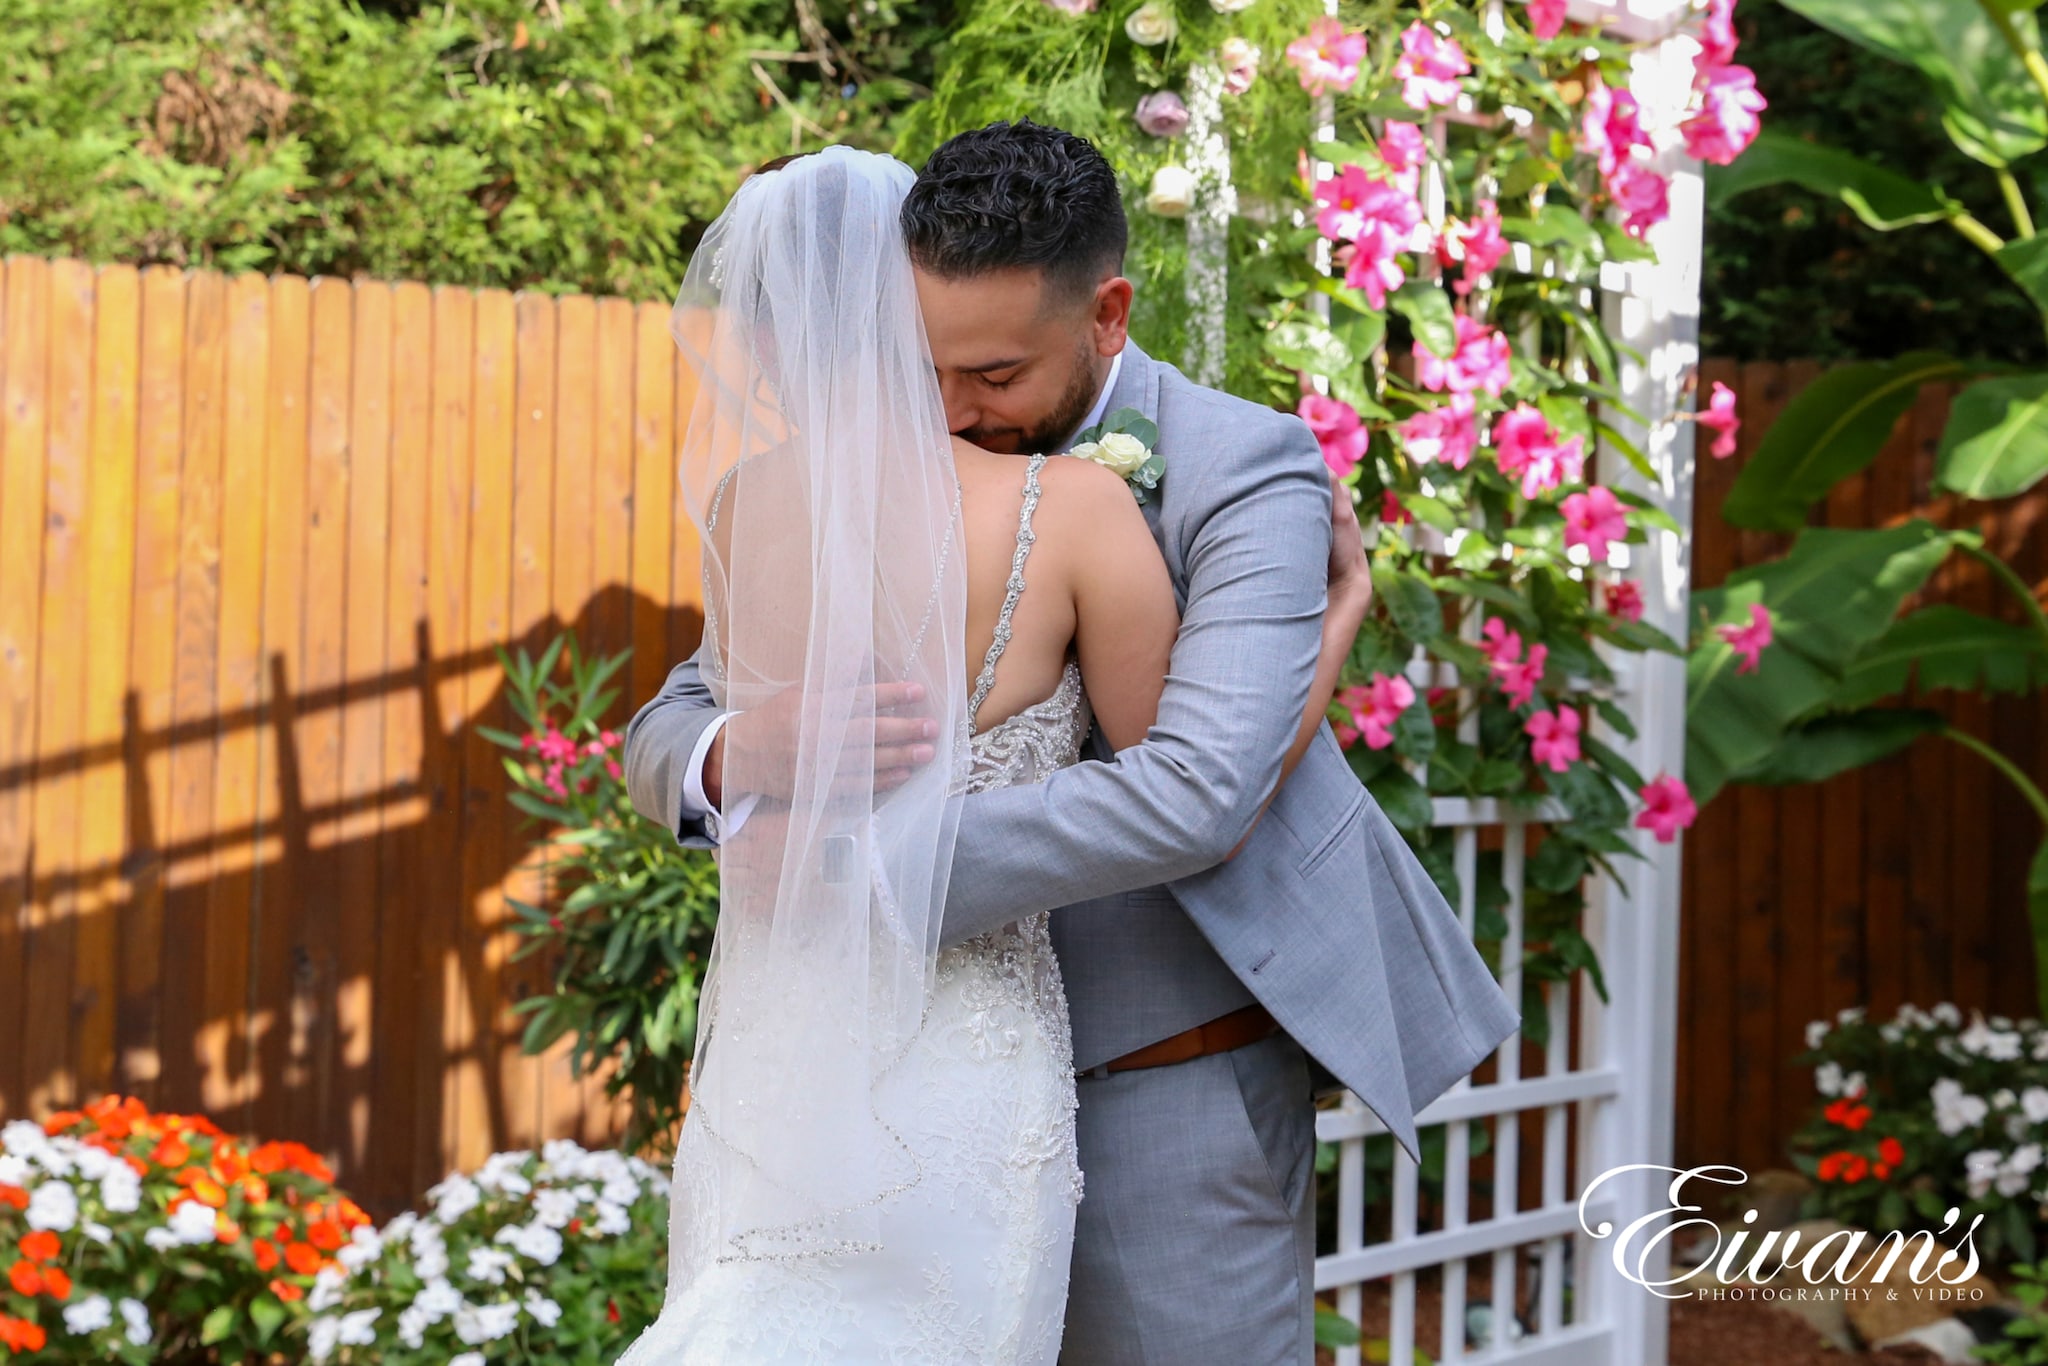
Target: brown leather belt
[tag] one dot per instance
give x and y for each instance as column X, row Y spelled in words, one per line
column 1220, row 1035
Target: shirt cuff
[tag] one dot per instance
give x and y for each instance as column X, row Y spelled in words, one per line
column 718, row 827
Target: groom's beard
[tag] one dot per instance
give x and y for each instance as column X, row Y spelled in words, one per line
column 1051, row 432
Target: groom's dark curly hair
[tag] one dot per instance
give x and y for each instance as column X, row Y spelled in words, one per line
column 1017, row 195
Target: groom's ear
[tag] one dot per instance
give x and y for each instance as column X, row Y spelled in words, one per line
column 1111, row 323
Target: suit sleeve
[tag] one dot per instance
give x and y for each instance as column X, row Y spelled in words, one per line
column 659, row 741
column 1239, row 677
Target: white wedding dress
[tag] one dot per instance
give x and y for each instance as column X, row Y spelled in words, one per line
column 974, row 1259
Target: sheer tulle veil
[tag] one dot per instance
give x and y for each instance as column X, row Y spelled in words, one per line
column 817, row 466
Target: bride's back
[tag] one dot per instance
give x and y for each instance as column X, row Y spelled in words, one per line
column 1095, row 588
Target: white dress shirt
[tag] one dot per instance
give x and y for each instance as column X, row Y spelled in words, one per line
column 696, row 804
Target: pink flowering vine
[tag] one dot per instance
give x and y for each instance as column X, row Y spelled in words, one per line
column 1720, row 419
column 1727, row 121
column 1749, row 641
column 1594, row 519
column 1448, row 433
column 1517, row 676
column 1546, row 17
column 1476, row 244
column 1327, row 57
column 1642, row 195
column 1478, row 360
column 1373, row 709
column 1611, row 128
column 1667, row 808
column 1403, row 148
column 1717, row 36
column 1623, row 599
column 1429, row 67
column 1556, row 738
column 1378, row 221
column 1525, row 444
column 1338, row 430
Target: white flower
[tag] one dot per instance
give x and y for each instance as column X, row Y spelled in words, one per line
column 553, row 1207
column 14, row 1169
column 619, row 1188
column 544, row 1310
column 562, row 1154
column 1890, row 1033
column 412, row 1327
column 356, row 1329
column 364, row 1246
column 98, row 1232
column 1172, row 192
column 1119, row 452
column 1849, row 1014
column 1816, row 1033
column 488, row 1264
column 437, row 1299
column 2003, row 1098
column 611, row 1220
column 94, row 1164
column 54, row 1206
column 480, row 1323
column 1827, row 1079
column 1955, row 1109
column 1946, row 1013
column 24, row 1138
column 467, row 1359
column 538, row 1243
column 500, row 1173
column 454, row 1197
column 399, row 1229
column 1852, row 1085
column 135, row 1315
column 323, row 1337
column 1231, row 6
column 1151, row 24
column 2034, row 1101
column 326, row 1293
column 121, row 1190
column 1980, row 1168
column 89, row 1315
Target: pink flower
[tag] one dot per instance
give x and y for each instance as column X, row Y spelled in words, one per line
column 1327, row 57
column 554, row 781
column 1072, row 6
column 1478, row 361
column 1518, row 680
column 1527, row 445
column 1624, row 599
column 1382, row 221
column 1727, row 121
column 1667, row 808
column 1611, row 127
column 1594, row 519
column 1749, row 641
column 1717, row 36
column 1449, row 433
column 1162, row 113
column 1429, row 67
column 1556, row 734
column 1240, row 63
column 1546, row 17
column 1392, row 511
column 557, row 748
column 1643, row 196
column 1338, row 430
column 1403, row 149
column 1720, row 419
column 1477, row 243
column 610, row 738
column 1500, row 645
column 1377, row 706
column 613, row 771
column 1340, row 200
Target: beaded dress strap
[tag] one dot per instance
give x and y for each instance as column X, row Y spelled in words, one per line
column 1012, row 591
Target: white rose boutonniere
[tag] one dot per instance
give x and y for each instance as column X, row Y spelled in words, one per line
column 1151, row 24
column 1123, row 444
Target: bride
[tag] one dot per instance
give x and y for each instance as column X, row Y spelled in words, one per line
column 878, row 1163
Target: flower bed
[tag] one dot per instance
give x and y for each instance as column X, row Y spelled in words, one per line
column 133, row 1236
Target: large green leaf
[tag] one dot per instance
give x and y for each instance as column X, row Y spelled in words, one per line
column 1951, row 648
column 1830, row 597
column 2025, row 259
column 1882, row 198
column 1817, row 750
column 1830, row 430
column 1996, row 442
column 1991, row 109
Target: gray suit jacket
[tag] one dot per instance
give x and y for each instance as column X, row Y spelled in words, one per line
column 1326, row 917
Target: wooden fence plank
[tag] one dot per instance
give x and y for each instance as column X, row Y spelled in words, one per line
column 53, row 892
column 24, row 424
column 228, row 1076
column 403, row 908
column 110, row 571
column 276, row 1029
column 654, row 492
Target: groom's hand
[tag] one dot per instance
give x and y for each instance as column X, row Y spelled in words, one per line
column 765, row 740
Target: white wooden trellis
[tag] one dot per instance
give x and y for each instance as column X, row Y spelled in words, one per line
column 1619, row 1087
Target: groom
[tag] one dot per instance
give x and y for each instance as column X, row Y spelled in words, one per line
column 1203, row 983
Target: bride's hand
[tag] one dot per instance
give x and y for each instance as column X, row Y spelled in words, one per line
column 761, row 740
column 1350, row 573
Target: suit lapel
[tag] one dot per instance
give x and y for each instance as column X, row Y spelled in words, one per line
column 1137, row 386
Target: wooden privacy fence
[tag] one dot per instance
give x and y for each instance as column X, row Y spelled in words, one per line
column 258, row 538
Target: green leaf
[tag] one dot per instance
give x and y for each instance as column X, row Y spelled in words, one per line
column 1410, row 600
column 1820, row 749
column 1333, row 1329
column 1428, row 310
column 217, row 1325
column 1996, row 441
column 1992, row 110
column 1951, row 648
column 1882, row 198
column 269, row 1315
column 1403, row 799
column 1309, row 347
column 1832, row 429
column 1558, row 866
column 2025, row 259
column 1830, row 596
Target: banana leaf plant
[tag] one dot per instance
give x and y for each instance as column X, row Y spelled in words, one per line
column 1833, row 607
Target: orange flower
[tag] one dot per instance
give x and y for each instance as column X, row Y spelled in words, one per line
column 171, row 1152
column 303, row 1258
column 25, row 1279
column 207, row 1191
column 41, row 1246
column 1891, row 1151
column 326, row 1235
column 57, row 1283
column 62, row 1120
column 265, row 1253
column 226, row 1230
column 352, row 1215
column 254, row 1188
column 136, row 1165
column 15, row 1196
column 21, row 1335
column 1847, row 1113
column 1855, row 1168
column 1831, row 1166
column 286, row 1291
